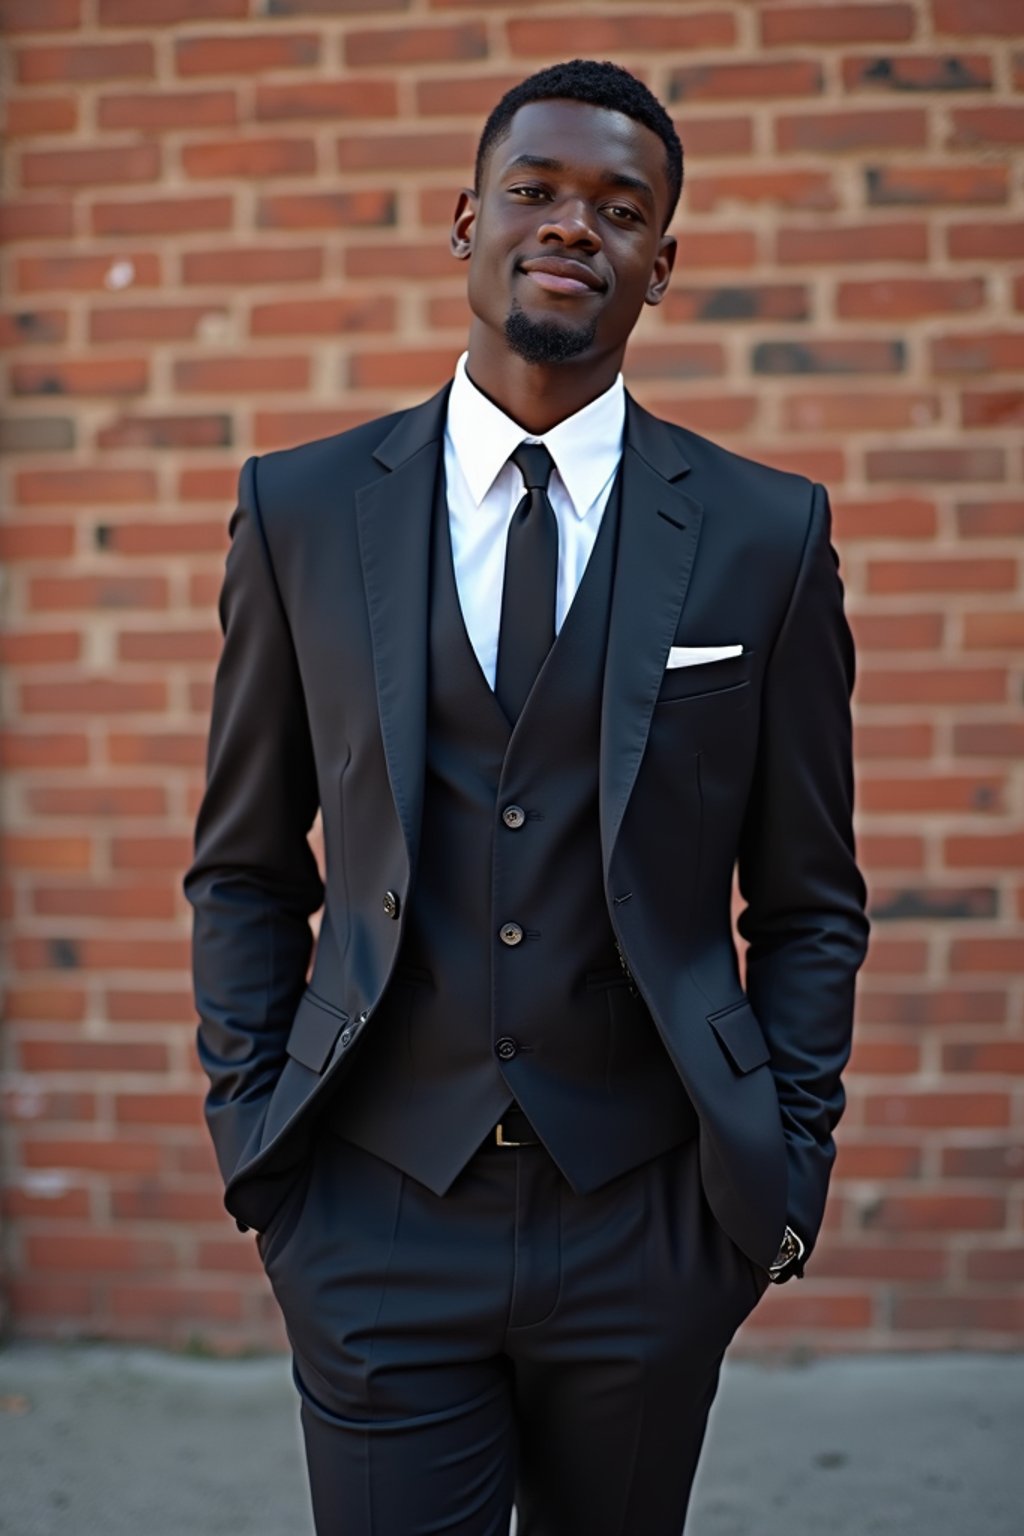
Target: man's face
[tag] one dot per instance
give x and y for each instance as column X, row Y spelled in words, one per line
column 564, row 235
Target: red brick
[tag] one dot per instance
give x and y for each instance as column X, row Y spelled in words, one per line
column 54, row 1005
column 326, row 210
column 162, row 216
column 150, row 1201
column 994, row 738
column 909, row 298
column 154, row 110
column 331, row 315
column 37, row 274
column 764, row 301
column 601, row 36
column 90, row 167
column 993, row 630
column 975, row 127
column 749, row 80
column 37, row 647
column 942, row 464
column 20, row 748
column 822, row 462
column 897, row 631
column 936, row 185
column 240, row 375
column 106, row 800
column 1001, row 1058
column 89, row 376
column 153, row 322
column 138, row 903
column 937, row 1213
column 20, row 1203
column 837, row 24
column 708, row 413
column 283, row 429
column 134, row 1006
column 986, row 241
column 458, row 43
column 922, row 793
column 35, row 221
column 933, row 685
column 90, row 1252
column 177, row 749
column 253, row 264
column 863, row 1261
column 462, row 95
column 988, row 954
column 94, row 696
column 157, row 1109
column 84, row 487
column 1004, row 849
column 245, row 54
column 93, row 1155
column 924, row 1009
column 978, row 352
column 811, row 190
column 884, row 1058
column 838, row 132
column 92, row 1056
column 36, row 541
column 875, row 1159
column 897, row 740
column 992, row 408
column 918, row 72
column 33, row 327
column 707, row 136
column 896, row 957
column 995, row 1264
column 977, row 18
column 406, row 151
column 408, row 368
column 150, row 852
column 205, row 485
column 30, row 851
column 136, row 1308
column 228, row 158
column 938, row 1109
column 895, row 517
column 326, row 100
column 401, row 259
column 716, row 249
column 960, row 1315
column 155, row 13
column 84, row 61
column 182, row 645
column 859, row 413
column 880, row 850
column 40, row 15
column 852, row 243
column 209, row 431
column 805, row 1313
column 97, row 592
column 26, row 116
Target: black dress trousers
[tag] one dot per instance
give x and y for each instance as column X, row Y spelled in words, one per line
column 510, row 1341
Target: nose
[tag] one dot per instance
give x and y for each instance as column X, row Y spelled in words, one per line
column 572, row 223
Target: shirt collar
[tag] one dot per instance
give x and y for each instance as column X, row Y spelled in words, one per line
column 586, row 446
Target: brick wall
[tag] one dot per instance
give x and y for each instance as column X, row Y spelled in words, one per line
column 225, row 231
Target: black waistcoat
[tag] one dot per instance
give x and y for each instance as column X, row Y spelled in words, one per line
column 477, row 1016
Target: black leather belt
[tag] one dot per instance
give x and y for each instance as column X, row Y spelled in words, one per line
column 514, row 1130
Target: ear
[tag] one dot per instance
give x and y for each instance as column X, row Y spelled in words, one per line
column 463, row 224
column 662, row 270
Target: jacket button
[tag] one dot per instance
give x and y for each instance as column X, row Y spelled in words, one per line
column 391, row 904
column 513, row 816
column 506, row 1048
column 511, row 934
column 345, row 1038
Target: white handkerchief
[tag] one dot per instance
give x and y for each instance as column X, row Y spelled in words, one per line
column 698, row 655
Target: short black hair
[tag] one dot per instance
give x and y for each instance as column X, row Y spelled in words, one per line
column 597, row 85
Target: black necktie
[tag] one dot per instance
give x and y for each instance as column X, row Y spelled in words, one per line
column 531, row 575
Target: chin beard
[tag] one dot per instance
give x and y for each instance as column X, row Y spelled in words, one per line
column 546, row 341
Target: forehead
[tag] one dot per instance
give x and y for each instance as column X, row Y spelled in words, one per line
column 596, row 141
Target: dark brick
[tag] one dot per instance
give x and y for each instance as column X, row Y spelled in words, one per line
column 947, row 72
column 36, row 434
column 934, row 902
column 789, row 357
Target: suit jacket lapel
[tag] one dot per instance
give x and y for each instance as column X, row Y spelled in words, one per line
column 658, row 534
column 394, row 513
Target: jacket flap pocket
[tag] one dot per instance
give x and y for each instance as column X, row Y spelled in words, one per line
column 740, row 1036
column 314, row 1032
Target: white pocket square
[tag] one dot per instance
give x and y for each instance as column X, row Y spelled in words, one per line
column 699, row 655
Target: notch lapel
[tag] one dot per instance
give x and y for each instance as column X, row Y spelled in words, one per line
column 658, row 535
column 394, row 515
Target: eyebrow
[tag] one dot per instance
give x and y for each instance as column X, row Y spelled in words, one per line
column 613, row 178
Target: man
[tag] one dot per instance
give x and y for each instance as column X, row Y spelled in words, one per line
column 522, row 1154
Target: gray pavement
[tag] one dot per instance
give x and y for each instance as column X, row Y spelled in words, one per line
column 103, row 1441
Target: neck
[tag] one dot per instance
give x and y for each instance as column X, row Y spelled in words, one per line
column 535, row 395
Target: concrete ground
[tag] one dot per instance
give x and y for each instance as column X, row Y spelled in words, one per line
column 102, row 1441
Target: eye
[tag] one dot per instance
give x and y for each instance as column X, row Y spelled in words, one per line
column 531, row 193
column 623, row 211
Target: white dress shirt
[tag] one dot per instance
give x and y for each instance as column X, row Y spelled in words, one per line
column 484, row 490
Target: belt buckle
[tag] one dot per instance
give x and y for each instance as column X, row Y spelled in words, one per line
column 500, row 1139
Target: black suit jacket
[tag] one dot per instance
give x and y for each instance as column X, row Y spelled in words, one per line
column 320, row 702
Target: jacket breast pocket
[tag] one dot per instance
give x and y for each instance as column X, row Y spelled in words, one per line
column 727, row 683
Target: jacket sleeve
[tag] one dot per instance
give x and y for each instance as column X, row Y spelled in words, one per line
column 254, row 882
column 804, row 917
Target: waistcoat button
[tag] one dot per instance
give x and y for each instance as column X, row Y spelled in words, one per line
column 511, row 934
column 391, row 904
column 513, row 816
column 506, row 1048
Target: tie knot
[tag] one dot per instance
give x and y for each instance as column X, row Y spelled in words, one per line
column 534, row 463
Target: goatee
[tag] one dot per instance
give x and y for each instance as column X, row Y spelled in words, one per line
column 546, row 341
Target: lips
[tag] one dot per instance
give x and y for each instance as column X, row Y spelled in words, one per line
column 562, row 274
